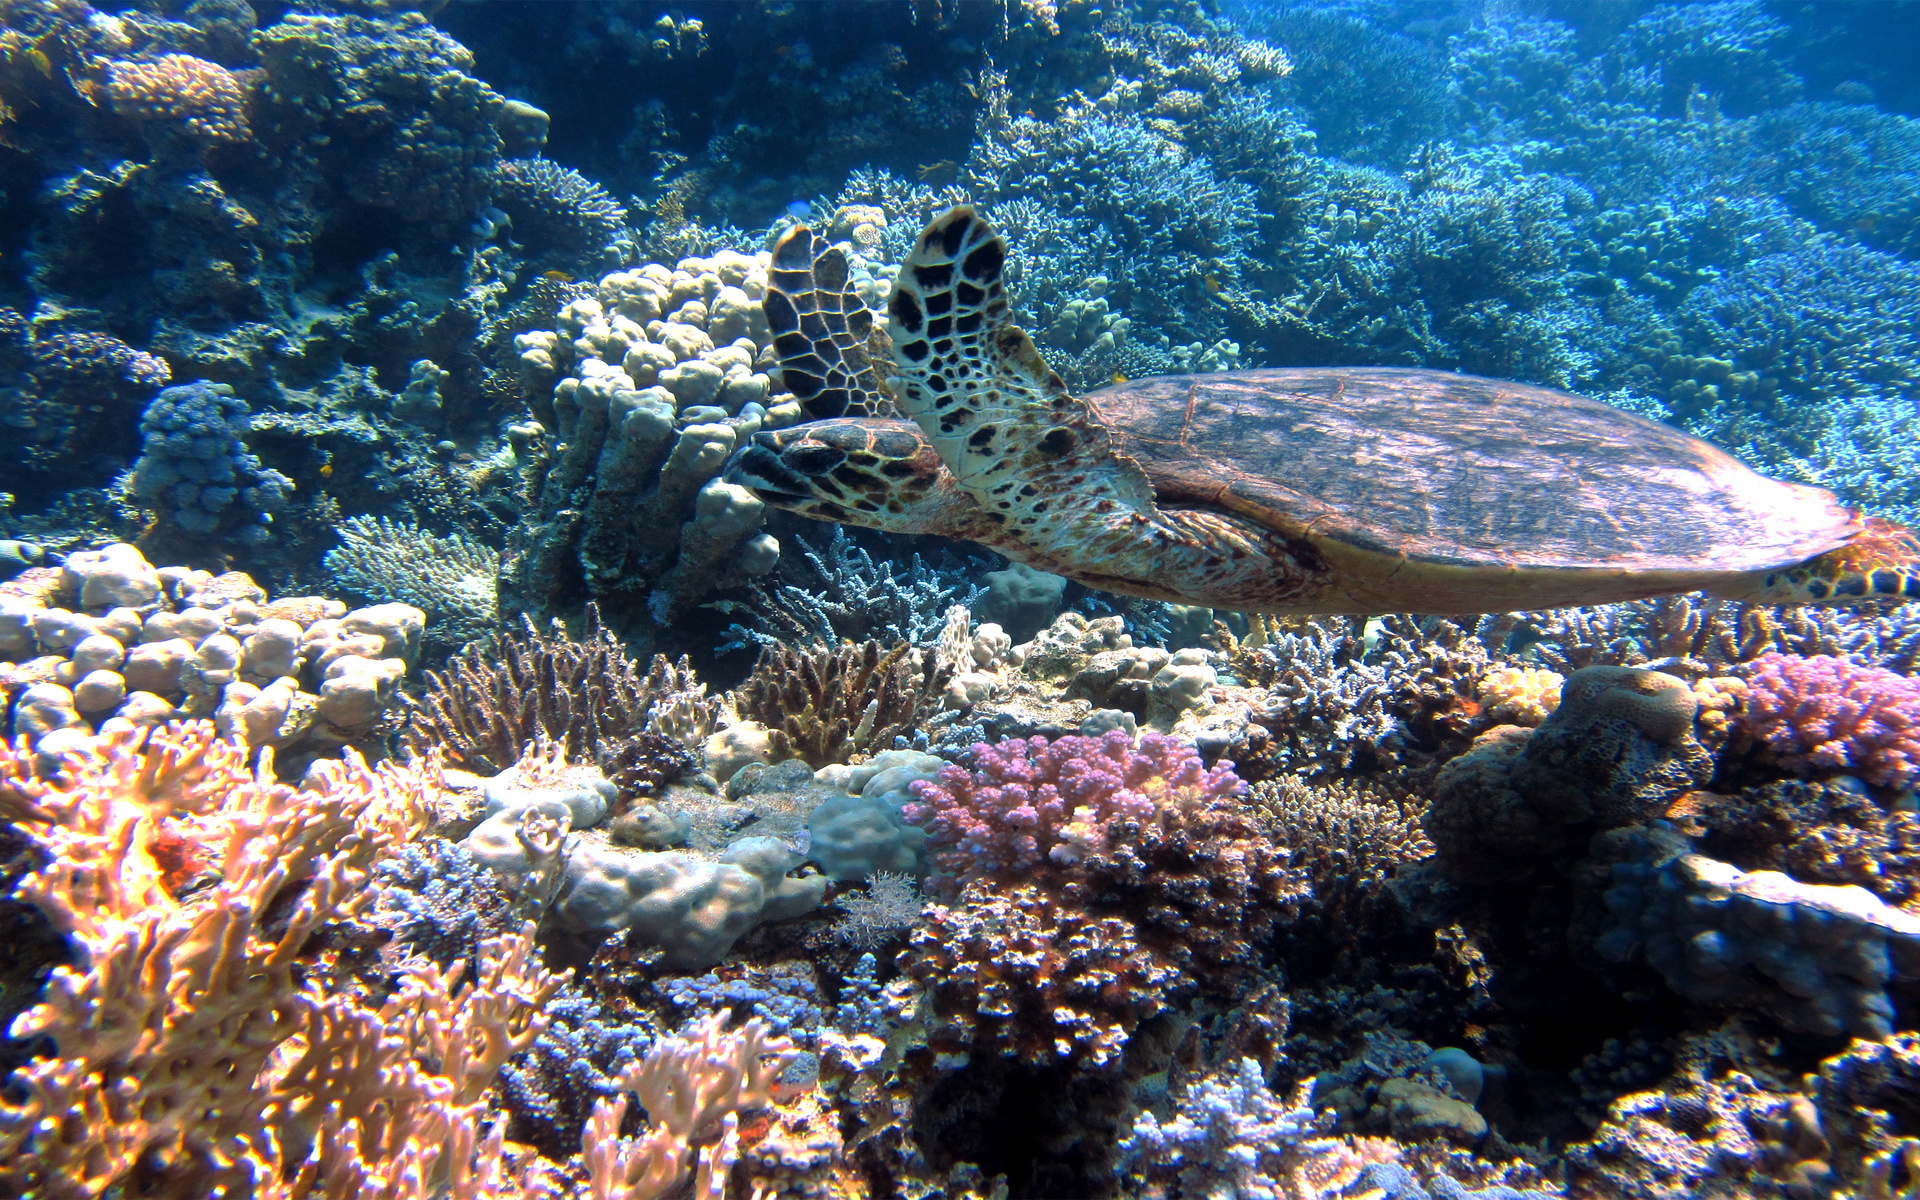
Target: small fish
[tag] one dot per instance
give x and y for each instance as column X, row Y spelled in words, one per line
column 556, row 277
column 937, row 173
column 38, row 60
column 1119, row 376
column 1212, row 282
column 326, row 470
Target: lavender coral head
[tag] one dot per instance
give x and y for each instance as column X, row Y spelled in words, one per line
column 1827, row 713
column 1030, row 801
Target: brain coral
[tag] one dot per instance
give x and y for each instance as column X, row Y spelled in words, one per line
column 200, row 97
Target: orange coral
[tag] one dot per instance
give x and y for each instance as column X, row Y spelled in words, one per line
column 188, row 1049
column 202, row 97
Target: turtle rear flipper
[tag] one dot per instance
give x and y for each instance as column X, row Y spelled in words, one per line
column 1032, row 454
column 822, row 330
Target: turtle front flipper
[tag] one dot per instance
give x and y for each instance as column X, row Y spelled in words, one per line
column 1037, row 459
column 821, row 329
column 1881, row 562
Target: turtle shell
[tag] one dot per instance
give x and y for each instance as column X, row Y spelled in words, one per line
column 1463, row 472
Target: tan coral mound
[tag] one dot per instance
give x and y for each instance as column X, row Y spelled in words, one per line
column 201, row 97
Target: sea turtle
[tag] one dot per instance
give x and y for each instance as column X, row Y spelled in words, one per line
column 1305, row 490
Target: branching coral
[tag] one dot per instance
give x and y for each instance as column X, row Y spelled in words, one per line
column 1030, row 802
column 557, row 208
column 1826, row 713
column 1346, row 839
column 494, row 701
column 827, row 705
column 1132, row 870
column 166, row 1024
column 451, row 578
column 838, row 592
column 692, row 1086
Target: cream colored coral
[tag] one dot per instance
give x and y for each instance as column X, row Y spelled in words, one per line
column 171, row 1007
column 1519, row 695
column 689, row 1085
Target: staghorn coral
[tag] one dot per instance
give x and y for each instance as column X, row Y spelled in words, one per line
column 1824, row 713
column 451, row 578
column 826, row 706
column 549, row 1088
column 439, row 901
column 885, row 911
column 1231, row 1136
column 493, row 701
column 200, row 98
column 839, row 593
column 128, row 820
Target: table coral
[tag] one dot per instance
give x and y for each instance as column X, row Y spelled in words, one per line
column 1824, row 713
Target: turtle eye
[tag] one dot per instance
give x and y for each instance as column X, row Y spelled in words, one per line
column 814, row 459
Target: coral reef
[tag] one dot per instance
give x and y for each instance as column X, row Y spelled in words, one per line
column 1826, row 713
column 958, row 890
column 494, row 701
column 825, row 706
column 196, row 471
column 108, row 641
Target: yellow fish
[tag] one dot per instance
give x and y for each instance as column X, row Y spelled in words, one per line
column 1119, row 376
column 1212, row 282
column 556, row 276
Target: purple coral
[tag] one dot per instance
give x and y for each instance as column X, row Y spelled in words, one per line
column 1029, row 800
column 1826, row 713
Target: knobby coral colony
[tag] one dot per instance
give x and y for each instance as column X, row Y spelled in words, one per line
column 387, row 810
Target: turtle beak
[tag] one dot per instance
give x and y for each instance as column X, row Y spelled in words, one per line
column 778, row 472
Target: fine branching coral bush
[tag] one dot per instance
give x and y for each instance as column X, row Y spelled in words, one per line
column 825, row 706
column 587, row 695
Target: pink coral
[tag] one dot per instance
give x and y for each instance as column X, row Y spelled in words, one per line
column 1027, row 800
column 1827, row 713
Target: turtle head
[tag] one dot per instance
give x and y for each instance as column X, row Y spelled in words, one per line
column 880, row 474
